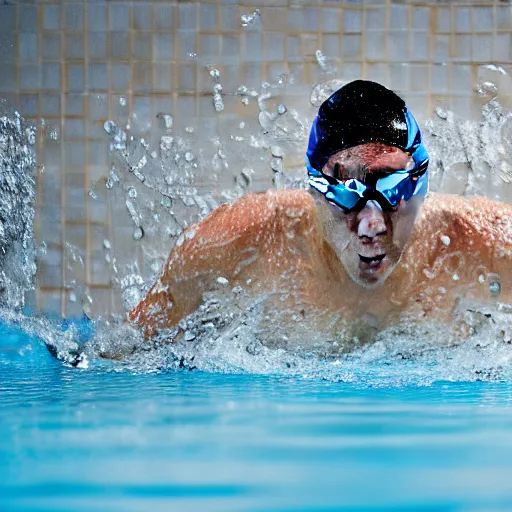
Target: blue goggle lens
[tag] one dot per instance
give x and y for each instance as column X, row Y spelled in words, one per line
column 353, row 194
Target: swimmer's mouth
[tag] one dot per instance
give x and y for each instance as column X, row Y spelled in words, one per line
column 373, row 262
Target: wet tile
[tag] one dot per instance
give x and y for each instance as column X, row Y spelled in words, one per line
column 27, row 46
column 27, row 18
column 98, row 76
column 51, row 46
column 29, row 77
column 331, row 20
column 398, row 17
column 208, row 16
column 120, row 45
column 142, row 16
column 439, row 80
column 421, row 18
column 375, row 45
column 481, row 48
column 75, row 77
column 74, row 129
column 187, row 16
column 50, row 105
column 164, row 16
column 120, row 77
column 74, row 16
column 97, row 45
column 398, row 46
column 74, row 46
column 51, row 17
column 119, row 16
column 419, row 44
column 74, row 104
column 351, row 47
column 142, row 46
column 98, row 17
column 51, row 75
column 163, row 46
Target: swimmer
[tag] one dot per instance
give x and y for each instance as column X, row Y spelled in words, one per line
column 364, row 246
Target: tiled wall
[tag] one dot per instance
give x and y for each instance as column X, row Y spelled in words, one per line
column 69, row 63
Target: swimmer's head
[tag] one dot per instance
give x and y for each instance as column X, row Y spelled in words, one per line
column 367, row 169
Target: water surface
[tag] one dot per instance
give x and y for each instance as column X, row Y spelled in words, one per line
column 111, row 439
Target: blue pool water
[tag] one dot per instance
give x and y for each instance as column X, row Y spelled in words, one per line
column 105, row 438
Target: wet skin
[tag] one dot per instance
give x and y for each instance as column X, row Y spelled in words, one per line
column 335, row 269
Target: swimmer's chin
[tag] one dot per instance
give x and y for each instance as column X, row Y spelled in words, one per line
column 373, row 278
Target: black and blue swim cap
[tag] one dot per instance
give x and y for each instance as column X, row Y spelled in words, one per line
column 358, row 113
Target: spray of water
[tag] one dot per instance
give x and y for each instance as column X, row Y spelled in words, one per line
column 17, row 164
column 155, row 183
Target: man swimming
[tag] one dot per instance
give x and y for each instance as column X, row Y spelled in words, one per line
column 363, row 250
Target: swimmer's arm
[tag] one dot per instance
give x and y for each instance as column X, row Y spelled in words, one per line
column 222, row 245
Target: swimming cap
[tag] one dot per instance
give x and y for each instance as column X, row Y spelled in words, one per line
column 358, row 113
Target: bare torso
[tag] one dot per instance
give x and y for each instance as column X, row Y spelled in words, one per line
column 272, row 245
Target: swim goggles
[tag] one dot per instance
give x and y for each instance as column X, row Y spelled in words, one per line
column 352, row 194
column 388, row 191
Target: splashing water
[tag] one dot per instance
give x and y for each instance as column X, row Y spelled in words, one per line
column 17, row 164
column 155, row 183
column 250, row 19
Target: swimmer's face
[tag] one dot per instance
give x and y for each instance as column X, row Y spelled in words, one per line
column 369, row 242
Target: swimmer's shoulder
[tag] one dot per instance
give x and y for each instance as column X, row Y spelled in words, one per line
column 468, row 216
column 247, row 223
column 467, row 224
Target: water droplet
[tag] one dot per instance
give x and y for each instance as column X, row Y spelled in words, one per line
column 494, row 284
column 106, row 244
column 214, row 73
column 321, row 59
column 250, row 19
column 277, row 151
column 110, row 127
column 166, row 143
column 122, row 101
column 189, row 156
column 281, row 109
column 322, row 91
column 189, row 129
column 276, row 164
column 167, row 121
column 138, row 233
column 72, row 296
column 487, row 89
column 495, row 288
column 189, row 336
column 441, row 113
column 132, row 192
column 445, row 240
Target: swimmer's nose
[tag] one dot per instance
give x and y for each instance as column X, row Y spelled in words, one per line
column 371, row 222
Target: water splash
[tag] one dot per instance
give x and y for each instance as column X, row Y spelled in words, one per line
column 250, row 19
column 155, row 181
column 17, row 166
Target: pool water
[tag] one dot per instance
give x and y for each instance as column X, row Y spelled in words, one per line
column 106, row 438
